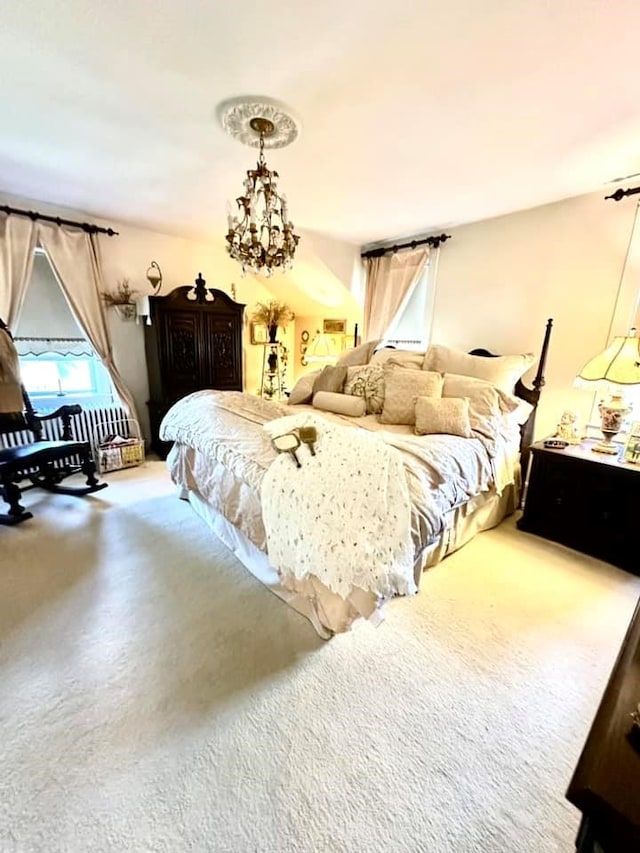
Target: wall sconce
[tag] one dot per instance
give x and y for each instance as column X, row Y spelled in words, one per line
column 154, row 277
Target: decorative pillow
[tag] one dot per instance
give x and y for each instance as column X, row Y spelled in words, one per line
column 367, row 381
column 340, row 404
column 448, row 415
column 406, row 358
column 402, row 386
column 330, row 379
column 503, row 371
column 359, row 355
column 483, row 398
column 302, row 391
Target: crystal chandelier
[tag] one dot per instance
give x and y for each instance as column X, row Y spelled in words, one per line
column 261, row 236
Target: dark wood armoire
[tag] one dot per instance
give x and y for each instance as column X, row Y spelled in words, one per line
column 194, row 342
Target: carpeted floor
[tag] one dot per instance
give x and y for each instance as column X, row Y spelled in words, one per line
column 155, row 697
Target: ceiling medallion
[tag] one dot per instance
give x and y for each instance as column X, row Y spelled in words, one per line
column 260, row 235
column 235, row 116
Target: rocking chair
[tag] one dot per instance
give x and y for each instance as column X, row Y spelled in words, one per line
column 44, row 464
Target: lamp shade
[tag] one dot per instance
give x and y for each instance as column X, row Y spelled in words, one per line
column 618, row 363
column 322, row 348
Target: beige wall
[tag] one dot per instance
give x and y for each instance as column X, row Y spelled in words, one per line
column 500, row 279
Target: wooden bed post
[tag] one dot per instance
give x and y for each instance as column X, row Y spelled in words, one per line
column 532, row 395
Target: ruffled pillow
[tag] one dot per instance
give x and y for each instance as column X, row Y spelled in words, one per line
column 368, row 382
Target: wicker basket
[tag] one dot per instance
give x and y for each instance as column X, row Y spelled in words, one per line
column 118, row 445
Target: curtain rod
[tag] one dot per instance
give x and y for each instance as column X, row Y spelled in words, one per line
column 434, row 242
column 32, row 214
column 620, row 194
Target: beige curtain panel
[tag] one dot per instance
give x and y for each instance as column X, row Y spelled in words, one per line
column 75, row 258
column 389, row 279
column 18, row 237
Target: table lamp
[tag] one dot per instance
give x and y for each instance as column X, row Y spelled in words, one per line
column 619, row 366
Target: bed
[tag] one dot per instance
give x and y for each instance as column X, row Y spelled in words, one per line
column 345, row 523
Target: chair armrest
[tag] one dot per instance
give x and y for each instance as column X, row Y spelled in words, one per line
column 62, row 412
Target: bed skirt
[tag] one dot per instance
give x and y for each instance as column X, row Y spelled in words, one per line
column 329, row 613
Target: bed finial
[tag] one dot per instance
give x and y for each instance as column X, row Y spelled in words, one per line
column 539, row 380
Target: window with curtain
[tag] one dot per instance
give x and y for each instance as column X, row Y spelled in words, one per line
column 57, row 363
column 411, row 327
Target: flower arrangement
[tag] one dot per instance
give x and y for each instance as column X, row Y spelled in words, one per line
column 272, row 313
column 123, row 295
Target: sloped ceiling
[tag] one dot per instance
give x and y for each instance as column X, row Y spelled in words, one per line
column 417, row 114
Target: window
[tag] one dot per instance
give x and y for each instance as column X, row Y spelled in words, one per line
column 57, row 363
column 53, row 379
column 411, row 327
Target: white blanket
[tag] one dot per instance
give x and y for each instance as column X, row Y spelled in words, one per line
column 344, row 516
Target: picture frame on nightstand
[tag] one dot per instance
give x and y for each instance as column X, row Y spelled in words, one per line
column 631, row 451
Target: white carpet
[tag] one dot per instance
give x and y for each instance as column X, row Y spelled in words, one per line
column 155, row 697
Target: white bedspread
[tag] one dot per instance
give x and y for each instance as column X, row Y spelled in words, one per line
column 344, row 516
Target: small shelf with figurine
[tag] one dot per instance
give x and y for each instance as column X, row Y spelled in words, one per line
column 274, row 370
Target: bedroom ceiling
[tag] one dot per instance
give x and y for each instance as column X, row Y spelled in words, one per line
column 417, row 115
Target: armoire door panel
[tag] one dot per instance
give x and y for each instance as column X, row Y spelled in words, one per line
column 222, row 334
column 182, row 353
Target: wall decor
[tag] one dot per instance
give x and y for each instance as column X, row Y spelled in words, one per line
column 334, row 327
column 258, row 333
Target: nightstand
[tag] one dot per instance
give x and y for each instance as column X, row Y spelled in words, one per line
column 586, row 500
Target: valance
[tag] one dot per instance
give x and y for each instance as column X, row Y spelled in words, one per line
column 60, row 346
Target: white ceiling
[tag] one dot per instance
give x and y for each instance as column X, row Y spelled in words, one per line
column 417, row 114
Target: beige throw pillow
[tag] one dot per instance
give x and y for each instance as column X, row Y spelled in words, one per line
column 359, row 355
column 330, row 379
column 302, row 391
column 405, row 358
column 448, row 415
column 503, row 371
column 484, row 402
column 340, row 404
column 401, row 388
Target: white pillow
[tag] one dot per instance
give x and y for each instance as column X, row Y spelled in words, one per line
column 340, row 404
column 503, row 371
